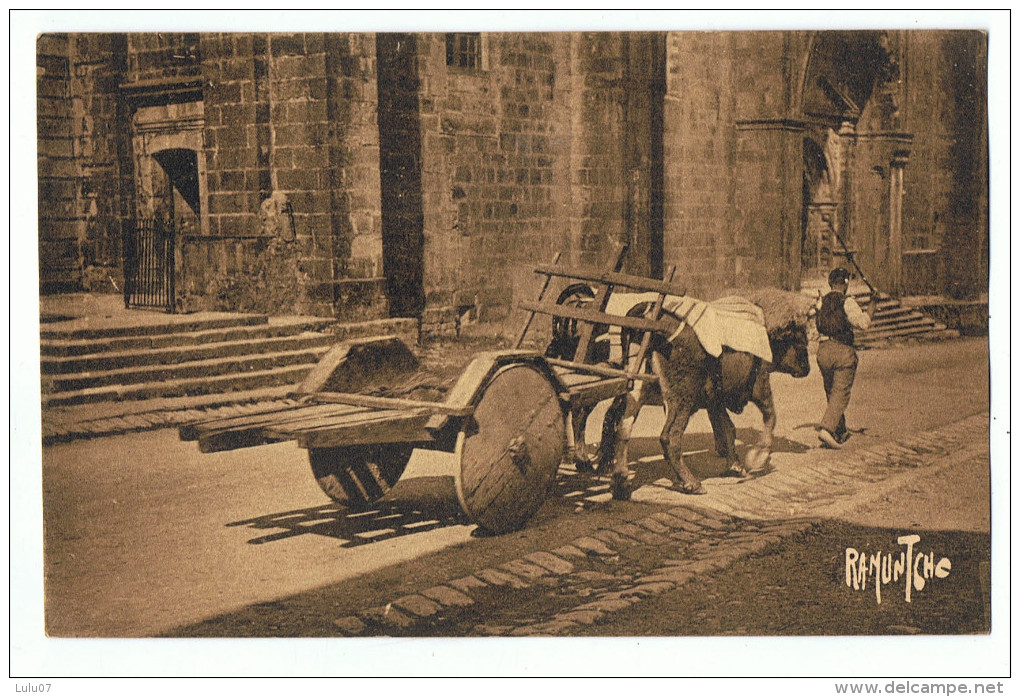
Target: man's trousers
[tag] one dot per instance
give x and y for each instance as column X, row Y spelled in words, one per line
column 838, row 365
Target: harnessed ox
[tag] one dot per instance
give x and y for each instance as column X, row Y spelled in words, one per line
column 691, row 377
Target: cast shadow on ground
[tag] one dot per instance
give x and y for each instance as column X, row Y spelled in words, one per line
column 699, row 449
column 421, row 509
column 801, row 591
column 383, row 521
column 592, row 491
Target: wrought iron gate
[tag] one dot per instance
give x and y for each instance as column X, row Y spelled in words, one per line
column 149, row 264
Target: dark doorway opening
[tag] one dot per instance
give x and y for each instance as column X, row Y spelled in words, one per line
column 818, row 216
column 176, row 196
column 150, row 244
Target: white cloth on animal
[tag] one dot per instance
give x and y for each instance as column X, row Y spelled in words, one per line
column 732, row 321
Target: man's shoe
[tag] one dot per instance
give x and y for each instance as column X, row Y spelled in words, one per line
column 828, row 440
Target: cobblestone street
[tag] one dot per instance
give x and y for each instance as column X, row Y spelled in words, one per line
column 565, row 590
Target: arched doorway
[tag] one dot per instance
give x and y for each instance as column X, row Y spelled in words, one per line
column 818, row 214
column 853, row 154
column 170, row 201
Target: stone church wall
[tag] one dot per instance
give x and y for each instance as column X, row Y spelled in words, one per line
column 363, row 175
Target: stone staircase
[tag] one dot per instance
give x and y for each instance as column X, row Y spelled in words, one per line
column 178, row 358
column 892, row 321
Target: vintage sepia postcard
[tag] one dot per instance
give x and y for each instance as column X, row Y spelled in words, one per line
column 502, row 343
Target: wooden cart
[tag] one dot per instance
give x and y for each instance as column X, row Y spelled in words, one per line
column 500, row 433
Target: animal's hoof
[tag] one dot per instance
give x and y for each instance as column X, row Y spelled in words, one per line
column 756, row 460
column 828, row 440
column 692, row 488
column 584, row 465
column 735, row 470
column 620, row 487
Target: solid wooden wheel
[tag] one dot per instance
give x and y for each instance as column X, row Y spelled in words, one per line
column 359, row 475
column 511, row 448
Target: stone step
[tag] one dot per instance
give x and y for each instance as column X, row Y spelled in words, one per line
column 80, row 347
column 80, row 329
column 939, row 331
column 204, row 369
column 910, row 319
column 174, row 355
column 893, row 320
column 64, row 417
column 206, row 385
column 942, row 334
column 894, row 313
column 918, row 322
column 884, row 301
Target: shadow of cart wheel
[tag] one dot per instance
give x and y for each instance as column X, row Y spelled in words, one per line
column 353, row 528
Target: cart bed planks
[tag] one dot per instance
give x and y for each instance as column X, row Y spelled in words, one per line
column 231, row 434
column 384, row 427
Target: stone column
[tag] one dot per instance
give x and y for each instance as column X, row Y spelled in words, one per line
column 896, row 165
column 877, row 200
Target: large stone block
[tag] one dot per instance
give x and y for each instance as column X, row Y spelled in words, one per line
column 224, row 93
column 232, row 158
column 286, row 45
column 301, row 134
column 228, row 181
column 297, row 179
column 311, row 202
column 234, row 135
column 236, row 117
column 221, row 203
column 236, row 225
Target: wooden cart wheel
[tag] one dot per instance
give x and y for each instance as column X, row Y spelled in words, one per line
column 511, row 448
column 359, row 475
column 565, row 334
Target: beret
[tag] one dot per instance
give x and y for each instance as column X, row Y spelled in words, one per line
column 838, row 275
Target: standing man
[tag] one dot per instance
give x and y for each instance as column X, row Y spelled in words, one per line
column 836, row 319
